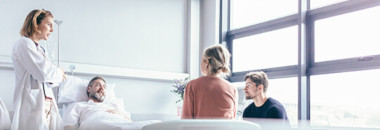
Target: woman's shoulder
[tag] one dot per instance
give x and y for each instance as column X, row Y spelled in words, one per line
column 199, row 80
column 208, row 79
column 211, row 80
column 24, row 40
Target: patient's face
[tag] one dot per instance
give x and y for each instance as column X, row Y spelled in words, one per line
column 97, row 91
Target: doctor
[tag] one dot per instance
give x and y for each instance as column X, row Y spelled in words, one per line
column 34, row 103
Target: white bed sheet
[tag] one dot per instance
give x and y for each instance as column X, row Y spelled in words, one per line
column 90, row 116
column 114, row 124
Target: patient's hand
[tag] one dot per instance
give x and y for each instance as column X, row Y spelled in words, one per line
column 118, row 112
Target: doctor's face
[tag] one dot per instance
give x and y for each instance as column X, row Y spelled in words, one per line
column 45, row 28
column 97, row 91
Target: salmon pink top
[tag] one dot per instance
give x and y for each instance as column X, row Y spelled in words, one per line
column 209, row 97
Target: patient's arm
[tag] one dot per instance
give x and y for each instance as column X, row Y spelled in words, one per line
column 118, row 112
column 69, row 127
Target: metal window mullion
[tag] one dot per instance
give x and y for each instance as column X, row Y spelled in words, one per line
column 273, row 73
column 342, row 8
column 224, row 24
column 346, row 65
column 309, row 55
column 265, row 27
column 229, row 41
column 303, row 64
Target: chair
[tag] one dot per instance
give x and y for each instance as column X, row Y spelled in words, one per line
column 203, row 124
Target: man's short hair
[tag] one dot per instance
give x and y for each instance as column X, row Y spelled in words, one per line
column 92, row 82
column 258, row 77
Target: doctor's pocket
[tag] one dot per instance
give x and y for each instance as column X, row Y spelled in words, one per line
column 33, row 99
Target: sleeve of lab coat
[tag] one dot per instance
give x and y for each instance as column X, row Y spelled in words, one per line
column 36, row 64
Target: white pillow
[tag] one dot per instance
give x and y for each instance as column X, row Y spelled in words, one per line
column 110, row 93
column 74, row 89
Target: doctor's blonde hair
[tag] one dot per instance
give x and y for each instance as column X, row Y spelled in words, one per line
column 34, row 18
column 218, row 58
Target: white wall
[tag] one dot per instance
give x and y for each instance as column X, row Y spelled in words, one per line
column 144, row 96
column 135, row 34
column 139, row 34
column 209, row 24
column 153, row 35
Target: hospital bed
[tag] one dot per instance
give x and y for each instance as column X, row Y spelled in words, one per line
column 73, row 90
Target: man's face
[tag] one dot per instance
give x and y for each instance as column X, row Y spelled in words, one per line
column 97, row 90
column 251, row 90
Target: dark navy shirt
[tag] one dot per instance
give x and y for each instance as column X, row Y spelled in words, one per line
column 270, row 109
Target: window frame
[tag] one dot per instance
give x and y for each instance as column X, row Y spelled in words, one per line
column 306, row 67
column 268, row 26
column 341, row 65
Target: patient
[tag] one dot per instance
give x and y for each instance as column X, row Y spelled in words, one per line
column 97, row 114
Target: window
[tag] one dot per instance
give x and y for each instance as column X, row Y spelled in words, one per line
column 347, row 99
column 340, row 57
column 351, row 35
column 264, row 51
column 284, row 90
column 249, row 12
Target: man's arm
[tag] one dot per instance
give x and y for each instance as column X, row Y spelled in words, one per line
column 69, row 127
column 276, row 112
column 121, row 113
column 71, row 116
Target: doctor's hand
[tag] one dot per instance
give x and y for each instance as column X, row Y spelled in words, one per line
column 64, row 75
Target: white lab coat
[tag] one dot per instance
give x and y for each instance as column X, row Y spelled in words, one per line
column 5, row 121
column 32, row 70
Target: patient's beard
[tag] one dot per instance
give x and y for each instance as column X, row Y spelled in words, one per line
column 98, row 97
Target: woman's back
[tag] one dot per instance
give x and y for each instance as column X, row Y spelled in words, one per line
column 209, row 97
